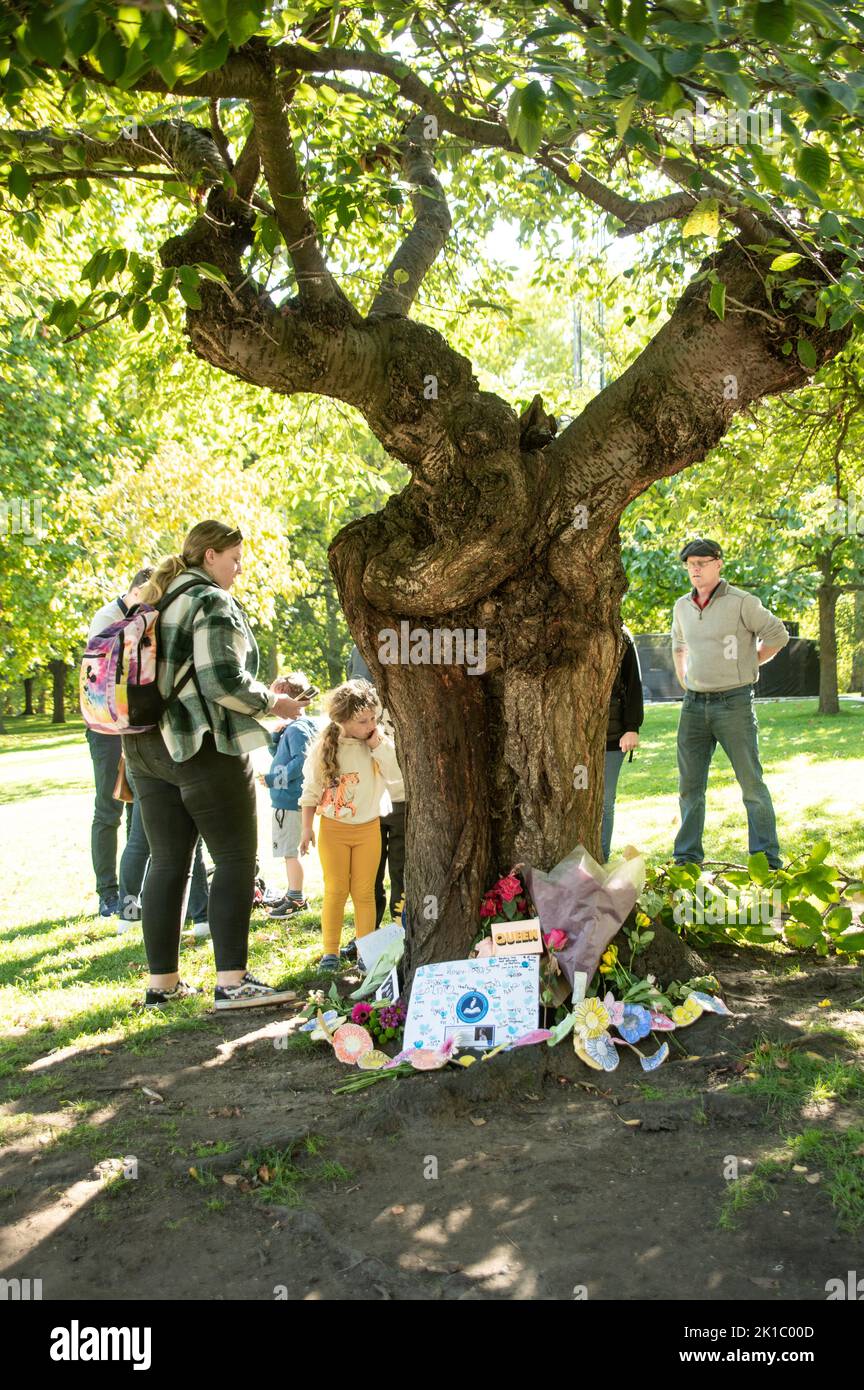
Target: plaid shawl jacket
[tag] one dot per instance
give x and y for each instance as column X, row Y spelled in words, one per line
column 223, row 697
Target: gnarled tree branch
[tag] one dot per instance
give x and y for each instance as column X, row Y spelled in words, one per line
column 186, row 149
column 407, row 269
column 276, row 149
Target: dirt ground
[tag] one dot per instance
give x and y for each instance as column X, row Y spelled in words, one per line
column 543, row 1188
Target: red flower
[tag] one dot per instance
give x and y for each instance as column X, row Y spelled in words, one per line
column 509, row 888
column 487, row 908
column 521, row 905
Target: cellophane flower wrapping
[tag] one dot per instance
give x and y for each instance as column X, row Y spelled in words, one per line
column 587, row 901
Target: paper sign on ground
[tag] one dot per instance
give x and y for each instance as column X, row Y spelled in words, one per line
column 370, row 947
column 477, row 1003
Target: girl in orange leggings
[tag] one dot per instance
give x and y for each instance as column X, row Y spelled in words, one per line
column 345, row 779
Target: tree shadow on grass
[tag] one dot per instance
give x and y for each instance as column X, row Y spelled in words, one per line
column 14, row 792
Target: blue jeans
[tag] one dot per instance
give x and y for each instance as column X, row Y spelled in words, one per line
column 135, row 862
column 105, row 752
column 727, row 717
column 612, row 770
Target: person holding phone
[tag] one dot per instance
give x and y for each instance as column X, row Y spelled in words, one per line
column 345, row 780
column 285, row 780
column 192, row 773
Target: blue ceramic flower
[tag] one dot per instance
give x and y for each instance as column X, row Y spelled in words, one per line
column 635, row 1024
column 602, row 1050
column 652, row 1063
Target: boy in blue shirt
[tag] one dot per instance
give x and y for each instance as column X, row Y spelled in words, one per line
column 285, row 780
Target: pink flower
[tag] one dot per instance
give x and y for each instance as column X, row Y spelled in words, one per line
column 361, row 1012
column 555, row 939
column 509, row 888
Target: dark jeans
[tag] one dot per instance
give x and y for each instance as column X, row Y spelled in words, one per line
column 727, row 717
column 105, row 752
column 614, row 761
column 133, row 869
column 392, row 853
column 212, row 795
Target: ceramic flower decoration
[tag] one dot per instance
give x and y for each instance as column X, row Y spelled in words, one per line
column 635, row 1023
column 591, row 1018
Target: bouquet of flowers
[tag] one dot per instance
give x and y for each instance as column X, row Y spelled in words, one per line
column 384, row 1020
column 505, row 901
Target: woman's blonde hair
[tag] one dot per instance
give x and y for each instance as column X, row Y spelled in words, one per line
column 342, row 704
column 207, row 535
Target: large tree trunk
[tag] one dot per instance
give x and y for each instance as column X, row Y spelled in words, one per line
column 828, row 688
column 58, row 671
column 856, row 680
column 28, row 695
column 334, row 636
column 502, row 757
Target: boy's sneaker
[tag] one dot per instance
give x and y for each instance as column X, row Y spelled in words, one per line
column 349, row 952
column 109, row 904
column 199, row 931
column 290, row 907
column 328, row 963
column 155, row 998
column 249, row 993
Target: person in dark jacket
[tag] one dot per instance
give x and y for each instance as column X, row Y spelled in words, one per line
column 626, row 713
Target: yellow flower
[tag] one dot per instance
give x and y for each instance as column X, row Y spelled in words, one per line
column 824, row 1004
column 610, row 955
column 642, row 919
column 591, row 1018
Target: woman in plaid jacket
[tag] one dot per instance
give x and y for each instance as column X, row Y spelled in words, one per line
column 193, row 775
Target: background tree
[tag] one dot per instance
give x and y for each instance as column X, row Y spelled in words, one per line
column 323, row 154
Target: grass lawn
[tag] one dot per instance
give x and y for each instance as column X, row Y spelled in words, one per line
column 68, row 979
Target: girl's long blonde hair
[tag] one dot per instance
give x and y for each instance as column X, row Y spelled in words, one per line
column 205, row 536
column 342, row 704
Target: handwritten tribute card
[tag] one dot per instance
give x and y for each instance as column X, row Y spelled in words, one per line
column 477, row 1003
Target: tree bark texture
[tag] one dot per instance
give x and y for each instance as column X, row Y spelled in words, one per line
column 28, row 695
column 828, row 688
column 58, row 690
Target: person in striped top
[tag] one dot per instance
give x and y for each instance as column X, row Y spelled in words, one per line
column 193, row 775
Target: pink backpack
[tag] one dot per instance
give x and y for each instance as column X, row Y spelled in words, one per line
column 117, row 682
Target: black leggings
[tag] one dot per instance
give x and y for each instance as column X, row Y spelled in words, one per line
column 212, row 795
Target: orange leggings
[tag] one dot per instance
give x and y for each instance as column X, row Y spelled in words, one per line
column 349, row 856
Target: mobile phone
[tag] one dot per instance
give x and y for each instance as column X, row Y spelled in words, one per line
column 309, row 693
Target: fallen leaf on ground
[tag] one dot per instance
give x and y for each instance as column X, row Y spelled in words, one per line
column 264, row 1173
column 634, row 1124
column 476, row 1120
column 397, row 1211
column 813, row 1177
column 765, row 1283
column 225, row 1112
column 781, row 1065
column 153, row 1095
column 798, row 1168
column 232, row 1179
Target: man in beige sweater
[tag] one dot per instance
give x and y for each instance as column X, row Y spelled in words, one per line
column 721, row 635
